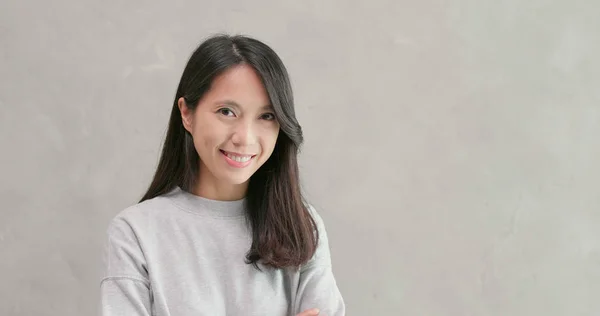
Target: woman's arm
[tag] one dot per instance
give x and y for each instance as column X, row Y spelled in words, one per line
column 317, row 287
column 125, row 288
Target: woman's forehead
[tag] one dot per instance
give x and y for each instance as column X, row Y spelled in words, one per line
column 239, row 86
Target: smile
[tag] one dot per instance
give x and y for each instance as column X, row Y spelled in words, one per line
column 237, row 160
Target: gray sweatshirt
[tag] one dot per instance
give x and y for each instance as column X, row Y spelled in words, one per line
column 182, row 255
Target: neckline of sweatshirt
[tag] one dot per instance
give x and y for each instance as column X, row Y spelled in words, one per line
column 201, row 206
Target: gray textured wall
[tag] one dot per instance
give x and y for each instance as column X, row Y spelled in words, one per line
column 452, row 147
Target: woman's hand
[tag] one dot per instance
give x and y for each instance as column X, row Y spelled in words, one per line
column 310, row 312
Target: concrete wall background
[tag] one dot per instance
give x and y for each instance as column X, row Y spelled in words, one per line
column 451, row 147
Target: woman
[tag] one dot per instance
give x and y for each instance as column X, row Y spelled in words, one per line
column 223, row 228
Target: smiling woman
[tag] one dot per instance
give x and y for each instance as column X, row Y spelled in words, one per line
column 223, row 228
column 234, row 131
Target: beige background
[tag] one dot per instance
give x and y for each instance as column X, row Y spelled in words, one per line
column 452, row 147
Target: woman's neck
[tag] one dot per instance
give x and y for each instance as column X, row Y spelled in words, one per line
column 219, row 191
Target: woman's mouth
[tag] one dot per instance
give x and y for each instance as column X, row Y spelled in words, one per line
column 236, row 159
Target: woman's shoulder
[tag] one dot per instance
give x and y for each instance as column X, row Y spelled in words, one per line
column 146, row 207
column 322, row 253
column 312, row 210
column 142, row 213
column 319, row 223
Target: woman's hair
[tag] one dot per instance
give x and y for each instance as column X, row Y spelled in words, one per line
column 283, row 230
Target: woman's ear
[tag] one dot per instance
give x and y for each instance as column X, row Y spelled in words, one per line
column 186, row 114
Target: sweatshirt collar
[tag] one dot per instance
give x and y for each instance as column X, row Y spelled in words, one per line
column 207, row 207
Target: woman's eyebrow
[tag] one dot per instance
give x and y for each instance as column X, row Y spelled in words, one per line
column 232, row 103
column 228, row 102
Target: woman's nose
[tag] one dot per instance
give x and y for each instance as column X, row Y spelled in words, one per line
column 243, row 135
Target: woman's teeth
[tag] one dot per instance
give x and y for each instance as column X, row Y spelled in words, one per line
column 238, row 158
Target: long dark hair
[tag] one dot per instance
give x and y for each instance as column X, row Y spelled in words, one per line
column 284, row 232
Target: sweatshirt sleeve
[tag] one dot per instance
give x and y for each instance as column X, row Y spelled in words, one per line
column 125, row 288
column 317, row 287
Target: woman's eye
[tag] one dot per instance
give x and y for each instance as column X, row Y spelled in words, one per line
column 226, row 112
column 268, row 116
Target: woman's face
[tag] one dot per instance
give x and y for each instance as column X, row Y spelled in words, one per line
column 234, row 128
